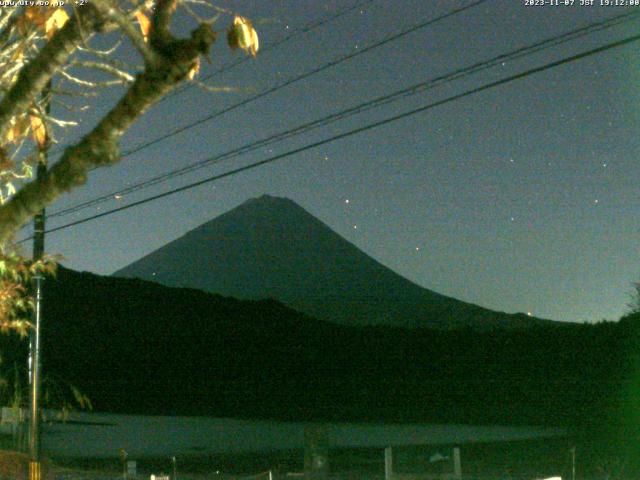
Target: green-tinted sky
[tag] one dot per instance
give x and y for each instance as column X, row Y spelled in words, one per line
column 520, row 198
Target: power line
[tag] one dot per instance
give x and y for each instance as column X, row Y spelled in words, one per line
column 379, row 101
column 301, row 77
column 312, row 25
column 304, row 76
column 308, row 27
column 355, row 131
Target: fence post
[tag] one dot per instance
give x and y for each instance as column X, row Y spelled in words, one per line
column 457, row 464
column 388, row 463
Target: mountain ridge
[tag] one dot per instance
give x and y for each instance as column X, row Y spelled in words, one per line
column 138, row 347
column 271, row 247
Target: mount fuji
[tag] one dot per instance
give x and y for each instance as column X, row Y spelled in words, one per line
column 270, row 247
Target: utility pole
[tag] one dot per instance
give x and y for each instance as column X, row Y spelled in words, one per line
column 34, row 337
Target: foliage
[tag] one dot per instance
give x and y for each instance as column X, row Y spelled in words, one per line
column 64, row 57
column 110, row 331
column 634, row 304
column 242, row 35
column 16, row 303
column 58, row 395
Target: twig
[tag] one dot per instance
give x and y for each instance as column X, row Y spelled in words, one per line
column 33, row 78
column 108, row 9
column 104, row 67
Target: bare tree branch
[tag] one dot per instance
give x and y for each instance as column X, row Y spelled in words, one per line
column 160, row 23
column 73, row 93
column 66, row 106
column 102, row 53
column 210, row 89
column 100, row 146
column 112, row 12
column 89, row 84
column 33, row 78
column 105, row 67
column 8, row 22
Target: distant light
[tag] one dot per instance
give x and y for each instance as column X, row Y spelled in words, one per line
column 355, row 226
column 346, row 201
column 117, row 197
column 596, row 201
column 529, row 313
column 417, row 249
column 154, row 274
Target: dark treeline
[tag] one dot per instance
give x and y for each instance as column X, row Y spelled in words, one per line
column 138, row 347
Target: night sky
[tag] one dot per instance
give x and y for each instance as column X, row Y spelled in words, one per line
column 522, row 198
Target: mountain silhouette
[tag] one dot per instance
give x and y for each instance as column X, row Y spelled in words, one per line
column 270, row 247
column 138, row 347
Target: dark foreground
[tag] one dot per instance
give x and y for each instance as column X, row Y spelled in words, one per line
column 523, row 460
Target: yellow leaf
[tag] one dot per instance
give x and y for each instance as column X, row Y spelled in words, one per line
column 38, row 130
column 33, row 16
column 17, row 131
column 194, row 70
column 145, row 24
column 55, row 22
column 47, row 18
column 243, row 35
column 37, row 15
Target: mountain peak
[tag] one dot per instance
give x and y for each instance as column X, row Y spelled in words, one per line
column 269, row 200
column 271, row 247
column 267, row 203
